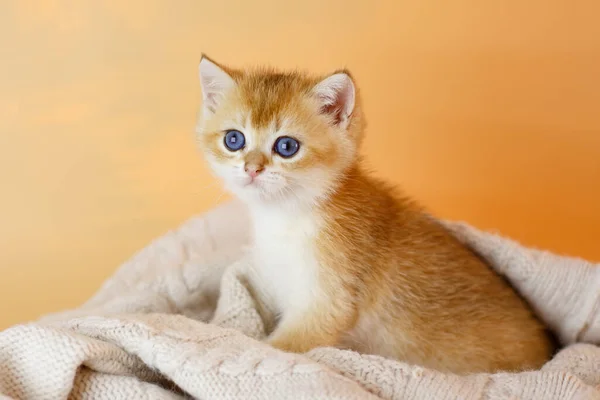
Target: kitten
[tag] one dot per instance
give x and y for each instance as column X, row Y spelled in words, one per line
column 340, row 257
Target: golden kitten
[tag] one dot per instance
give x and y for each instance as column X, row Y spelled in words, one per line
column 339, row 257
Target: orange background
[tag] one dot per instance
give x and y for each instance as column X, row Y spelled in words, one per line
column 486, row 111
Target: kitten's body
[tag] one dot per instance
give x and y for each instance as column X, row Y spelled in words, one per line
column 338, row 256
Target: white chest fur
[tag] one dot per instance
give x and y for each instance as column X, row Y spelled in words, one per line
column 285, row 268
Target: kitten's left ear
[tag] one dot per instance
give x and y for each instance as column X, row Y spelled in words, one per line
column 337, row 97
column 215, row 82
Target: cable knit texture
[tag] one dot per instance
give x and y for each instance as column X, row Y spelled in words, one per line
column 177, row 321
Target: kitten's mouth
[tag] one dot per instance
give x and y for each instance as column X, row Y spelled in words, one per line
column 250, row 182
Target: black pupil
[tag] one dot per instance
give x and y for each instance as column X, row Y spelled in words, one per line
column 286, row 147
column 234, row 140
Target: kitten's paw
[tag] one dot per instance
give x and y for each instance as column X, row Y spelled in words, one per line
column 290, row 345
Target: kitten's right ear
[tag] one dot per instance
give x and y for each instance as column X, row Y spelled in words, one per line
column 337, row 97
column 215, row 82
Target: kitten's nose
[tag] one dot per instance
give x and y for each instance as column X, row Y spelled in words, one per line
column 255, row 163
column 253, row 169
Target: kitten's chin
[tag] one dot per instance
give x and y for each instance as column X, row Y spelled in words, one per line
column 258, row 195
column 254, row 194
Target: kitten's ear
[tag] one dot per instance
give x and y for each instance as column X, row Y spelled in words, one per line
column 215, row 82
column 336, row 95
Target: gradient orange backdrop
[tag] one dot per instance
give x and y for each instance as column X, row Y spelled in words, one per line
column 486, row 111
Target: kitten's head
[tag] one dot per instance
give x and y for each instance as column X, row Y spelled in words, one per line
column 278, row 138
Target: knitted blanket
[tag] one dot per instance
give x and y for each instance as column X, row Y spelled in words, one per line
column 146, row 333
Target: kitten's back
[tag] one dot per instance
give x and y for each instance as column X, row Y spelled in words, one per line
column 422, row 296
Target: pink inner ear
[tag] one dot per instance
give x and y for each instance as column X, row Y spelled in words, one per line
column 336, row 95
column 211, row 102
column 215, row 82
column 334, row 110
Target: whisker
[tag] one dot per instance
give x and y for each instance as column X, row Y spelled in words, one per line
column 219, row 198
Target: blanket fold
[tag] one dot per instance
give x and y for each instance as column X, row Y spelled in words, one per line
column 177, row 321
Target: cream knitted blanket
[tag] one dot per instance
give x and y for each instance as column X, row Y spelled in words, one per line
column 145, row 335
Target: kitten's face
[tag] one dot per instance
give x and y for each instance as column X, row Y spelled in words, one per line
column 277, row 138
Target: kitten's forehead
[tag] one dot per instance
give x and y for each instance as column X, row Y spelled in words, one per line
column 270, row 96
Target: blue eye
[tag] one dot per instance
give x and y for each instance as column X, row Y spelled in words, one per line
column 234, row 140
column 286, row 146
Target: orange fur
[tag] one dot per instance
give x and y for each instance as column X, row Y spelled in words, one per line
column 376, row 273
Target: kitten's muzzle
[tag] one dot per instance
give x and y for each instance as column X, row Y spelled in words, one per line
column 253, row 170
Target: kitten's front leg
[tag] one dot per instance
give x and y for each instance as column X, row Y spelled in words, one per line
column 318, row 325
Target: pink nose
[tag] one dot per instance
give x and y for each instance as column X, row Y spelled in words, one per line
column 253, row 170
